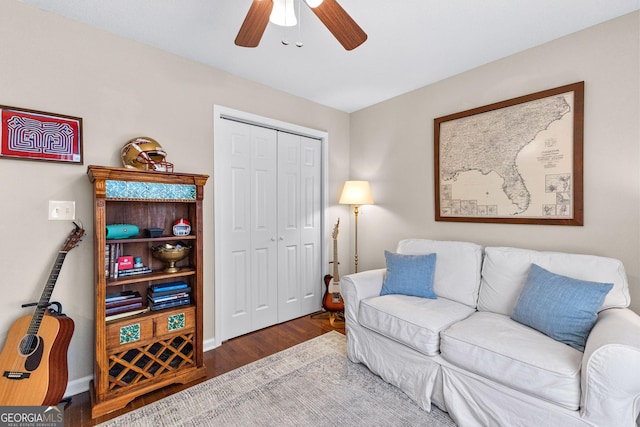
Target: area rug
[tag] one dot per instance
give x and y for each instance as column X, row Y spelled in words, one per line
column 311, row 384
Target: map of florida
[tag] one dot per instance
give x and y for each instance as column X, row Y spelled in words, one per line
column 491, row 141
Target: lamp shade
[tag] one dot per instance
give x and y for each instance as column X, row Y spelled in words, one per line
column 356, row 193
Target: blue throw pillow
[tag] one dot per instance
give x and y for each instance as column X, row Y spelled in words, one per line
column 561, row 307
column 409, row 275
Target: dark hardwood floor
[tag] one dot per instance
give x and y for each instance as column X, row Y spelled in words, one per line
column 230, row 355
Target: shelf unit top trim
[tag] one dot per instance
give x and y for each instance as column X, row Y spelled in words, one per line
column 149, row 191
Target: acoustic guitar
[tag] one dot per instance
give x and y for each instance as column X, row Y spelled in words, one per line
column 332, row 301
column 33, row 362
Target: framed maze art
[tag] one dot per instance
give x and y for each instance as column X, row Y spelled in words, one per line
column 37, row 135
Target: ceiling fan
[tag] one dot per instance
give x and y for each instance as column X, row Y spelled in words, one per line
column 332, row 15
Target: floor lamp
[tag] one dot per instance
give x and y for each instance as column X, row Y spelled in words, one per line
column 356, row 193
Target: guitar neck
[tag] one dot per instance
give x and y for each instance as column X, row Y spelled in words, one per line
column 46, row 294
column 336, row 276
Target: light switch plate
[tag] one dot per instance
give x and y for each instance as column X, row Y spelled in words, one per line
column 62, row 210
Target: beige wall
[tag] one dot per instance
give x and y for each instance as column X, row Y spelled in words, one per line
column 121, row 89
column 392, row 145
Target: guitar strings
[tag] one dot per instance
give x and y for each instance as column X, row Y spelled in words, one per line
column 31, row 341
column 32, row 336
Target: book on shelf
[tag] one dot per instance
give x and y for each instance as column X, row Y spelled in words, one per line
column 134, row 271
column 165, row 298
column 170, row 292
column 172, row 303
column 107, row 261
column 171, row 286
column 126, row 314
column 114, row 254
column 124, row 302
column 121, row 296
column 117, row 264
column 124, row 308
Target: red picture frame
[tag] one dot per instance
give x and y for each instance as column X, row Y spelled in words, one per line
column 38, row 135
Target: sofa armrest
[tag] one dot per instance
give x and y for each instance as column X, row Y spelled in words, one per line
column 358, row 286
column 611, row 369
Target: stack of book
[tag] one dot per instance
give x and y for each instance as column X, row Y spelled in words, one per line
column 123, row 304
column 133, row 271
column 119, row 265
column 167, row 295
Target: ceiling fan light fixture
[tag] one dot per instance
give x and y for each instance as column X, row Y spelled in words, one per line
column 283, row 13
column 313, row 3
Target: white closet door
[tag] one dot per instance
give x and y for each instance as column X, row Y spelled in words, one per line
column 264, row 246
column 299, row 281
column 311, row 278
column 268, row 224
column 289, row 223
column 248, row 245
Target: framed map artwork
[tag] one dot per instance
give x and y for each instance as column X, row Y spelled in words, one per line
column 36, row 135
column 517, row 161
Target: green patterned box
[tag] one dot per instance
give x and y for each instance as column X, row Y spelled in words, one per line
column 175, row 322
column 130, row 333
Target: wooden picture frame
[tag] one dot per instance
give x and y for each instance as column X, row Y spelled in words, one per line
column 38, row 135
column 518, row 161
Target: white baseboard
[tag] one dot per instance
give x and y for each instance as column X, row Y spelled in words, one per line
column 82, row 384
column 209, row 344
column 78, row 386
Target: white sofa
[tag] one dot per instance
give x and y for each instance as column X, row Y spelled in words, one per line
column 463, row 352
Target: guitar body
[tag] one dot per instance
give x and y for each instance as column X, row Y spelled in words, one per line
column 33, row 362
column 39, row 378
column 332, row 301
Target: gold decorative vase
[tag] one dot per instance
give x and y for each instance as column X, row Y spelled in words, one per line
column 170, row 254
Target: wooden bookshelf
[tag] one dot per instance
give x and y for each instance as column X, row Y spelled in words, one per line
column 144, row 352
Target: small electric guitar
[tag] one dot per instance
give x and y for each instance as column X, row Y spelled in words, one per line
column 332, row 301
column 33, row 362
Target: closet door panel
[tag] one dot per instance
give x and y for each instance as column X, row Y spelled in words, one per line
column 311, row 228
column 289, row 222
column 235, row 248
column 264, row 295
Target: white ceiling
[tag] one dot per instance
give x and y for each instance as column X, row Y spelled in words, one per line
column 412, row 43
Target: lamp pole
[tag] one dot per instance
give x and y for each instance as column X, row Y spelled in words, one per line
column 356, row 193
column 355, row 211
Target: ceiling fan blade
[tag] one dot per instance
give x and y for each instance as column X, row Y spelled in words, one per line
column 341, row 25
column 254, row 23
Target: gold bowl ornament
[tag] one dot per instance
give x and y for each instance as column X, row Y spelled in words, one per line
column 170, row 254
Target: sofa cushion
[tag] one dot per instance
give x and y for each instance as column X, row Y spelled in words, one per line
column 458, row 266
column 505, row 270
column 409, row 275
column 500, row 349
column 413, row 321
column 559, row 306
